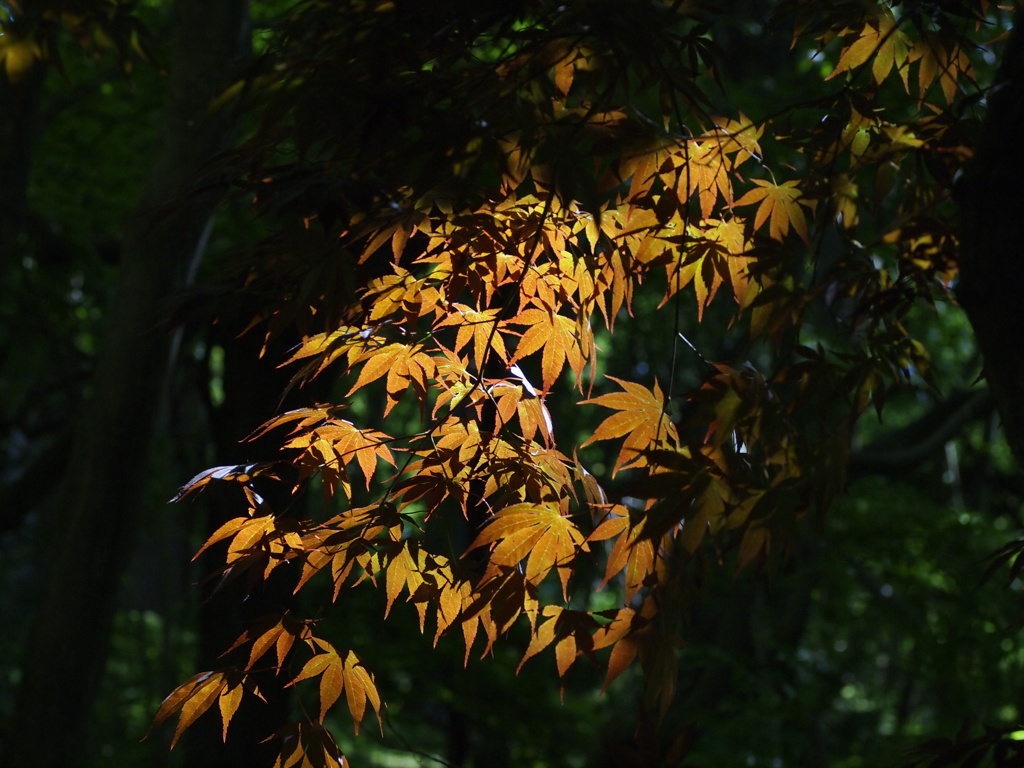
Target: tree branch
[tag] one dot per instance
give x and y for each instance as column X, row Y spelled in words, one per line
column 907, row 447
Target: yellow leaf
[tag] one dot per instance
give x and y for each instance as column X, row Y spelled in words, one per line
column 702, row 168
column 641, row 419
column 281, row 634
column 331, row 682
column 544, row 635
column 619, row 635
column 228, row 702
column 337, row 443
column 337, row 675
column 630, row 553
column 308, row 745
column 538, row 533
column 359, row 687
column 739, row 137
column 478, row 327
column 192, row 698
column 939, row 62
column 881, row 42
column 780, row 205
column 557, row 336
column 377, row 363
column 404, row 570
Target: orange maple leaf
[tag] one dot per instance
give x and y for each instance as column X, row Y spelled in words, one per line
column 307, row 744
column 538, row 533
column 198, row 694
column 704, row 168
column 712, row 254
column 557, row 335
column 739, row 137
column 572, row 630
column 277, row 632
column 630, row 553
column 405, row 365
column 641, row 419
column 478, row 326
column 337, row 443
column 781, row 203
column 337, row 675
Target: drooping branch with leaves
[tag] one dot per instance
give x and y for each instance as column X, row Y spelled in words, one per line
column 467, row 203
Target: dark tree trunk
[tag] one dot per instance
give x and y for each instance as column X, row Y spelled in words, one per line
column 98, row 517
column 19, row 112
column 992, row 257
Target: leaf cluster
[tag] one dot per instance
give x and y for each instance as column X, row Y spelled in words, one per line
column 464, row 198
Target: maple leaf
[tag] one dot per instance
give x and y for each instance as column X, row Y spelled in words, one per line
column 641, row 168
column 455, row 595
column 619, row 634
column 306, row 417
column 640, row 419
column 495, row 604
column 455, row 381
column 405, row 365
column 478, row 326
column 940, row 61
column 538, row 533
column 881, row 42
column 402, row 292
column 572, row 630
column 710, row 255
column 782, row 204
column 397, row 231
column 337, row 675
column 279, row 633
column 545, row 286
column 192, row 698
column 739, row 137
column 704, row 165
column 631, row 553
column 337, row 442
column 405, row 570
column 844, row 195
column 557, row 335
column 433, row 480
column 237, row 473
column 258, row 539
column 427, row 577
column 324, row 348
column 703, row 168
column 195, row 696
column 534, row 417
column 344, row 541
column 308, row 745
column 506, row 398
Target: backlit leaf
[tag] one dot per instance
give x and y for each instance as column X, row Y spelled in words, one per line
column 192, row 699
column 780, row 206
column 640, row 419
column 337, row 675
column 538, row 533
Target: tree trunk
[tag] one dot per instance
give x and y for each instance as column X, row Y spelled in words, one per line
column 19, row 111
column 992, row 252
column 94, row 530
